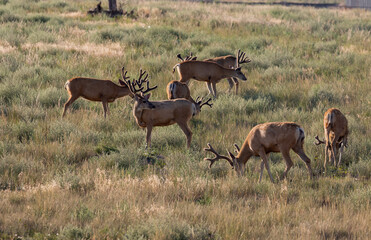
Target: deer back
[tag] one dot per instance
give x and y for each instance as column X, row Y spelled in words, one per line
column 95, row 89
column 204, row 71
column 228, row 61
column 168, row 112
column 273, row 136
column 334, row 121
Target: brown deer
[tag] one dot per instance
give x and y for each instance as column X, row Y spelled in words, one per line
column 149, row 114
column 209, row 72
column 176, row 89
column 92, row 89
column 336, row 135
column 263, row 139
column 228, row 61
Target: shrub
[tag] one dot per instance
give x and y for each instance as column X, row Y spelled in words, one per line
column 361, row 169
column 50, row 97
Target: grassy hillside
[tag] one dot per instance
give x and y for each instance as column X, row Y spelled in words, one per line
column 86, row 177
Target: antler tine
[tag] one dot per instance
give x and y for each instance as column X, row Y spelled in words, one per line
column 188, row 57
column 198, row 97
column 149, row 88
column 123, row 74
column 242, row 58
column 180, row 57
column 141, row 74
column 217, row 156
column 206, row 103
column 237, row 148
column 126, row 81
column 319, row 141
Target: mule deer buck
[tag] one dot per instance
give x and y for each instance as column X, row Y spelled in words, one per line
column 263, row 139
column 336, row 135
column 149, row 114
column 92, row 89
column 176, row 89
column 209, row 72
column 228, row 61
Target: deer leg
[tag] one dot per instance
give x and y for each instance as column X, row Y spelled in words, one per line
column 231, row 84
column 105, row 107
column 327, row 148
column 235, row 80
column 340, row 152
column 68, row 103
column 148, row 138
column 305, row 158
column 208, row 84
column 343, row 143
column 286, row 156
column 261, row 170
column 213, row 86
column 263, row 156
column 333, row 153
column 187, row 132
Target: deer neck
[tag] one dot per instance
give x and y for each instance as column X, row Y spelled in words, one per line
column 229, row 73
column 245, row 154
column 138, row 114
column 123, row 91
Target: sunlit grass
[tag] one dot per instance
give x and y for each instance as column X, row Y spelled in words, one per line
column 84, row 177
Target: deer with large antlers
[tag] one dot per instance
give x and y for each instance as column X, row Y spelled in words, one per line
column 264, row 139
column 228, row 61
column 149, row 114
column 92, row 89
column 176, row 89
column 209, row 72
column 336, row 130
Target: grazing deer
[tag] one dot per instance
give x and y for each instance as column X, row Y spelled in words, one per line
column 209, row 72
column 228, row 61
column 104, row 91
column 336, row 135
column 176, row 89
column 149, row 114
column 263, row 139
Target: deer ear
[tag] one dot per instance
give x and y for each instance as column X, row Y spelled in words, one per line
column 146, row 97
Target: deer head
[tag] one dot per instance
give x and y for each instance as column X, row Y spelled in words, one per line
column 137, row 89
column 233, row 160
column 240, row 75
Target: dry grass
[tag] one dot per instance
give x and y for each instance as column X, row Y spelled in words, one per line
column 84, row 177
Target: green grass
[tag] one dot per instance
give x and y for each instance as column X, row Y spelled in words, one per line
column 83, row 177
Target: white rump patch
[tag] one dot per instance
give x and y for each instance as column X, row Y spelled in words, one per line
column 67, row 85
column 298, row 133
column 172, row 90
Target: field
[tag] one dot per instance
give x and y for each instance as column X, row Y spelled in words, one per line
column 84, row 177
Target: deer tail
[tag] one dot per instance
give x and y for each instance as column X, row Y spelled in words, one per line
column 330, row 120
column 172, row 88
column 176, row 65
column 66, row 85
column 301, row 135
